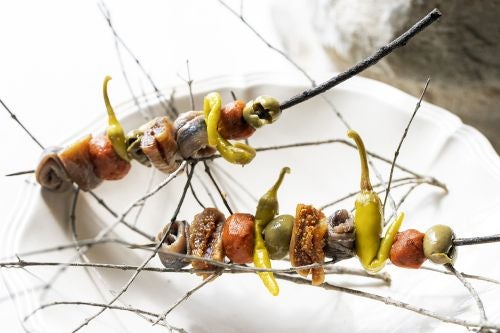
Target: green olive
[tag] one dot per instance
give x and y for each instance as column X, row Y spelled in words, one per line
column 262, row 111
column 438, row 245
column 277, row 236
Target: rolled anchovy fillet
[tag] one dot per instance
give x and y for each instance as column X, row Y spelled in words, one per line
column 158, row 144
column 51, row 173
column 191, row 135
column 340, row 237
column 177, row 241
column 78, row 164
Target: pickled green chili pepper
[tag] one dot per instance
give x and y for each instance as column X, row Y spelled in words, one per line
column 368, row 219
column 212, row 110
column 238, row 153
column 267, row 208
column 114, row 131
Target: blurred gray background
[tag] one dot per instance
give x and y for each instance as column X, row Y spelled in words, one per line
column 461, row 52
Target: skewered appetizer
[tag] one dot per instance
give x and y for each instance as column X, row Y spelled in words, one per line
column 307, row 238
column 160, row 143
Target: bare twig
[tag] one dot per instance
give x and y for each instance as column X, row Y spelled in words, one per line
column 228, row 268
column 106, row 13
column 20, row 173
column 398, row 149
column 207, row 191
column 433, row 181
column 399, row 183
column 476, row 240
column 14, row 117
column 143, row 203
column 471, row 290
column 283, row 54
column 402, row 200
column 72, row 223
column 125, row 223
column 392, row 302
column 148, row 259
column 230, row 177
column 222, row 195
column 101, row 305
column 120, row 218
column 195, row 196
column 186, row 296
column 365, row 63
column 189, row 83
column 168, row 107
column 81, row 243
column 465, row 275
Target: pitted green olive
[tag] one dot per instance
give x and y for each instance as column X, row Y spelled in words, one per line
column 277, row 236
column 438, row 244
column 262, row 111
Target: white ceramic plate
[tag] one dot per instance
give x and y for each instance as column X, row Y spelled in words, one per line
column 438, row 144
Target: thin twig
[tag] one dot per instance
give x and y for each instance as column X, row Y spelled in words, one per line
column 230, row 177
column 390, row 301
column 20, row 173
column 207, row 191
column 183, row 195
column 81, row 243
column 329, row 267
column 465, row 275
column 223, row 197
column 100, row 305
column 432, row 181
column 283, row 54
column 402, row 200
column 398, row 149
column 14, row 117
column 186, row 296
column 72, row 223
column 399, row 182
column 120, row 218
column 106, row 13
column 168, row 107
column 189, row 83
column 193, row 192
column 471, row 290
column 143, row 203
column 148, row 259
column 365, row 63
column 122, row 221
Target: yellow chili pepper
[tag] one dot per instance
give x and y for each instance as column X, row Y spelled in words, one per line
column 212, row 109
column 114, row 131
column 267, row 209
column 238, row 153
column 368, row 219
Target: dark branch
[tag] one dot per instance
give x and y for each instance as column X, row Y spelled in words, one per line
column 364, row 64
column 476, row 240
